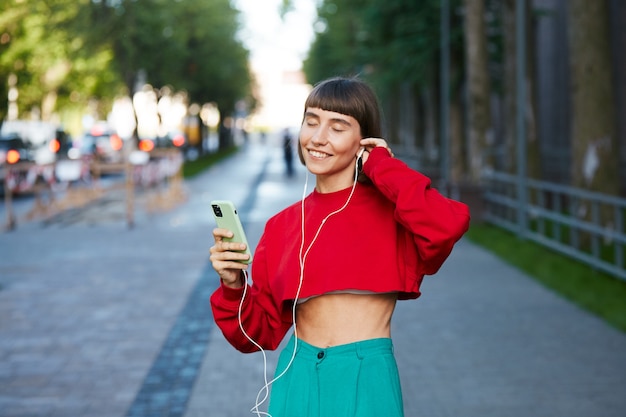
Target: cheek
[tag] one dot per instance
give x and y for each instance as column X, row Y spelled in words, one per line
column 348, row 146
column 302, row 135
column 300, row 146
column 301, row 155
column 302, row 139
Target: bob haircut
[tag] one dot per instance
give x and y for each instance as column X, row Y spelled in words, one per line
column 349, row 96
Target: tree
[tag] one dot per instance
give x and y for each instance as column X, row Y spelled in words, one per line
column 190, row 46
column 68, row 52
column 458, row 166
column 594, row 140
column 336, row 49
column 478, row 89
column 215, row 62
column 393, row 44
column 38, row 50
column 510, row 68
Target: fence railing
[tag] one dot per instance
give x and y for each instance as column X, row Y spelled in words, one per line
column 584, row 225
column 69, row 184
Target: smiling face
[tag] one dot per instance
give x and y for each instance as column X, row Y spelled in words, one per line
column 338, row 113
column 329, row 142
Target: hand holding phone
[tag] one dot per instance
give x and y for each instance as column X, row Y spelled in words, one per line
column 226, row 217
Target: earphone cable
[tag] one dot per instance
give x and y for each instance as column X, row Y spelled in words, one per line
column 264, row 391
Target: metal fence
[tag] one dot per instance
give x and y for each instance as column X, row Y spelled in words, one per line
column 584, row 225
column 71, row 184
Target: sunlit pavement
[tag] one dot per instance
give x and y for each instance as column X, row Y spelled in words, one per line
column 100, row 320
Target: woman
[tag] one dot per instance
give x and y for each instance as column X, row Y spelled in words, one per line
column 333, row 265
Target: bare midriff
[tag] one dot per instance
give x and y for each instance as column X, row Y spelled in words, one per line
column 337, row 319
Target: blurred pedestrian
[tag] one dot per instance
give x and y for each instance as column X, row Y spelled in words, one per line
column 333, row 265
column 288, row 151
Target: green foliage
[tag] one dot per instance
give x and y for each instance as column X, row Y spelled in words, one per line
column 387, row 41
column 403, row 40
column 337, row 48
column 216, row 64
column 594, row 291
column 42, row 47
column 190, row 45
column 78, row 50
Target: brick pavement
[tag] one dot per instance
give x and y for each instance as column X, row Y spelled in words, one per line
column 98, row 320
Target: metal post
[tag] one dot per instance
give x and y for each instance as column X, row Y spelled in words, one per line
column 130, row 194
column 445, row 93
column 522, row 197
column 8, row 200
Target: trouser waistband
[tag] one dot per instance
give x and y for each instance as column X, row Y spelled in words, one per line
column 360, row 349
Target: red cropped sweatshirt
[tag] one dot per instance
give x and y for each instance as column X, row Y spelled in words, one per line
column 392, row 233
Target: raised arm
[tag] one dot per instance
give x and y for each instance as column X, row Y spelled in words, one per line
column 435, row 221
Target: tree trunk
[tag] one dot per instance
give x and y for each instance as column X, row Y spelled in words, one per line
column 594, row 143
column 511, row 66
column 510, row 95
column 431, row 105
column 457, row 163
column 458, row 150
column 478, row 88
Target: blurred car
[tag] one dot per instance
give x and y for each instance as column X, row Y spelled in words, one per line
column 102, row 145
column 14, row 149
column 171, row 140
column 45, row 142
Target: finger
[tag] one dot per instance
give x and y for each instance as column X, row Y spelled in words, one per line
column 224, row 246
column 220, row 233
column 371, row 143
column 230, row 273
column 218, row 253
column 229, row 257
column 227, row 267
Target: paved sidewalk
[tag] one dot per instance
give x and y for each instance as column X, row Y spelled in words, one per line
column 98, row 320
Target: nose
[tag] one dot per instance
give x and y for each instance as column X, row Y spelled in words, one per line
column 319, row 136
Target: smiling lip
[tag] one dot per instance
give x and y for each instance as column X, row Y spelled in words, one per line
column 318, row 154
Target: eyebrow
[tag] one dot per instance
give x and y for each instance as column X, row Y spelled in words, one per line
column 333, row 120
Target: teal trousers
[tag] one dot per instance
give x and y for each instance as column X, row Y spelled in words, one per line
column 354, row 380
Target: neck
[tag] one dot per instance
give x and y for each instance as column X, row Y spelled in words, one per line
column 331, row 184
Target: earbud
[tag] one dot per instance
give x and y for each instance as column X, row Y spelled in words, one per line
column 359, row 160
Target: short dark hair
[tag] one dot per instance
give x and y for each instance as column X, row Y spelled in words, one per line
column 349, row 96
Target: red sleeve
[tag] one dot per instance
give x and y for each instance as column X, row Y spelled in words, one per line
column 261, row 316
column 435, row 221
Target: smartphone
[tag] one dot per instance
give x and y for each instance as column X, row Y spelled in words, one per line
column 226, row 217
